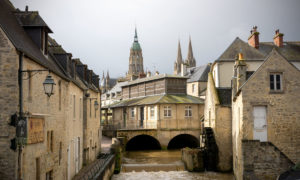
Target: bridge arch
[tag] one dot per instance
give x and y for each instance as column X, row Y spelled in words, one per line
column 142, row 142
column 182, row 141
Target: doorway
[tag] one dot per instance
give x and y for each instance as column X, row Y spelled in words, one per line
column 260, row 131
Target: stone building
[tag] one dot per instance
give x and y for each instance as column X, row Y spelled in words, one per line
column 220, row 82
column 54, row 142
column 158, row 104
column 189, row 62
column 265, row 124
column 197, row 80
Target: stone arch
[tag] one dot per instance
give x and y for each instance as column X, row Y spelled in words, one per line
column 142, row 142
column 182, row 141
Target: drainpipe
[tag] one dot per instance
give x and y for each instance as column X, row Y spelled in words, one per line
column 20, row 111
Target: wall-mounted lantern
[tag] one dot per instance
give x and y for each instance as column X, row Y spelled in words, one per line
column 48, row 85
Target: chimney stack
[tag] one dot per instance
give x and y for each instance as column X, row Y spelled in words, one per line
column 253, row 39
column 26, row 8
column 148, row 74
column 183, row 69
column 278, row 38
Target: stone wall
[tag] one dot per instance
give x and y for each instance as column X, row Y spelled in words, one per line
column 219, row 119
column 9, row 105
column 263, row 160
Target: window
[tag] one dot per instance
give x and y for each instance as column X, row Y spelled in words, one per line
column 167, row 111
column 59, row 95
column 276, row 82
column 193, row 88
column 152, row 112
column 50, row 138
column 49, row 175
column 80, row 108
column 74, row 106
column 60, row 153
column 132, row 110
column 188, row 111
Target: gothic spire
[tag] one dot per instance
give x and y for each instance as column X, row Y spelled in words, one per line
column 135, row 36
column 179, row 55
column 103, row 77
column 190, row 51
column 107, row 75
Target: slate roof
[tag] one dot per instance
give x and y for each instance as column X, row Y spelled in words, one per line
column 290, row 50
column 224, row 95
column 31, row 19
column 160, row 99
column 198, row 74
column 20, row 39
column 155, row 77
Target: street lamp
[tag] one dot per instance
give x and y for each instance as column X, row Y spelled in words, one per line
column 48, row 85
column 96, row 105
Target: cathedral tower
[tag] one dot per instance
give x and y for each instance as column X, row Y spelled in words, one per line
column 136, row 66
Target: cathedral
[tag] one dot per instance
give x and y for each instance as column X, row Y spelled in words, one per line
column 189, row 62
column 136, row 67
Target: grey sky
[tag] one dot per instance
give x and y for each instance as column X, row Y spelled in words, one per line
column 100, row 32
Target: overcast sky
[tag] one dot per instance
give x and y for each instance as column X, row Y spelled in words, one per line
column 100, row 32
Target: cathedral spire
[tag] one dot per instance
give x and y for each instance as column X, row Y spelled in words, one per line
column 135, row 36
column 179, row 55
column 107, row 75
column 190, row 51
column 190, row 61
column 103, row 77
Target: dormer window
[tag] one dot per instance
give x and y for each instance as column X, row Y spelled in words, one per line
column 44, row 42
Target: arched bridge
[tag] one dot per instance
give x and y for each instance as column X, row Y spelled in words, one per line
column 151, row 139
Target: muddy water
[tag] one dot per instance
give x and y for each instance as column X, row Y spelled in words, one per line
column 156, row 165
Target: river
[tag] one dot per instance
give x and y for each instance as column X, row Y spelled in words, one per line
column 155, row 165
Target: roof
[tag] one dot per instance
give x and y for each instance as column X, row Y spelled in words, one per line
column 155, row 77
column 20, row 39
column 290, row 50
column 198, row 74
column 224, row 95
column 116, row 88
column 160, row 99
column 31, row 19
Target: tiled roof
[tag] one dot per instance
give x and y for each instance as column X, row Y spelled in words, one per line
column 160, row 99
column 290, row 50
column 198, row 74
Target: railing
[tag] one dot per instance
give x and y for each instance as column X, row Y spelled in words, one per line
column 96, row 169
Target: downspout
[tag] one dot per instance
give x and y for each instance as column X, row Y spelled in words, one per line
column 20, row 111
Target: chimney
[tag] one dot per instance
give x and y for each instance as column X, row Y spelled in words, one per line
column 156, row 73
column 278, row 38
column 241, row 68
column 26, row 8
column 183, row 69
column 148, row 74
column 253, row 39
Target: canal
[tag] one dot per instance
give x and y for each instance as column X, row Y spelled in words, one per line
column 159, row 164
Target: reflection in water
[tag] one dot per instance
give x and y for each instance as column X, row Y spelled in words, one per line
column 172, row 175
column 153, row 159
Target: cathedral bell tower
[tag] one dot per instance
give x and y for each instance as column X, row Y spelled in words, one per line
column 136, row 66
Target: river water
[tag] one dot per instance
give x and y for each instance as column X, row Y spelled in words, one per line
column 156, row 165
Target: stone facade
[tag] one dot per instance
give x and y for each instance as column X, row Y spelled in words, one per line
column 218, row 117
column 8, row 99
column 55, row 125
column 282, row 116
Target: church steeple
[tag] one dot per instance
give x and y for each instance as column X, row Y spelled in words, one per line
column 190, row 61
column 135, row 36
column 136, row 66
column 178, row 62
